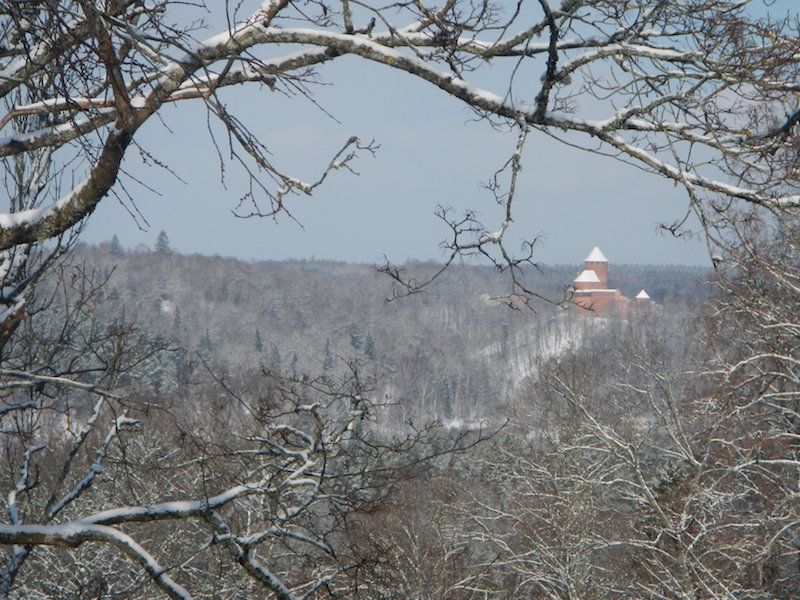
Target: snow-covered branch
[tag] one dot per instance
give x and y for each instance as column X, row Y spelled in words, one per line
column 657, row 65
column 73, row 535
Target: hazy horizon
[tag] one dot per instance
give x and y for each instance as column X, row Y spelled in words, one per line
column 433, row 152
column 144, row 247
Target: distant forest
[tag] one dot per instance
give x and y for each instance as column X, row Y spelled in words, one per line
column 453, row 353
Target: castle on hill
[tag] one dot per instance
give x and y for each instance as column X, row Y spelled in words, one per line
column 592, row 291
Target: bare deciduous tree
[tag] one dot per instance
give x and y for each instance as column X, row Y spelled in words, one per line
column 236, row 490
column 696, row 92
column 693, row 91
column 668, row 469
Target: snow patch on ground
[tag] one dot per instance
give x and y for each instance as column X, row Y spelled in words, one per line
column 459, row 424
column 167, row 307
column 539, row 342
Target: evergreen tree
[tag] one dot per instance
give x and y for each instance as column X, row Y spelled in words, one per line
column 116, row 248
column 184, row 368
column 275, row 359
column 158, row 374
column 355, row 336
column 369, row 347
column 206, row 348
column 327, row 361
column 446, row 394
column 162, row 243
column 177, row 323
column 259, row 342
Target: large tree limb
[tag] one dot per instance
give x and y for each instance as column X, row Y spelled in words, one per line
column 72, row 535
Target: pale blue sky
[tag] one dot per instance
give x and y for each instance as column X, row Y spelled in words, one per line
column 431, row 153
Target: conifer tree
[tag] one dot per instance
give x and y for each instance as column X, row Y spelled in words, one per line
column 327, row 361
column 177, row 323
column 162, row 243
column 206, row 347
column 369, row 347
column 116, row 248
column 355, row 336
column 275, row 359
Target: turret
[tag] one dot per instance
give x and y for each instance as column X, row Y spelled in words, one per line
column 599, row 264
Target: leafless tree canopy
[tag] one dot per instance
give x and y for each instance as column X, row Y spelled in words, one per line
column 669, row 480
column 695, row 91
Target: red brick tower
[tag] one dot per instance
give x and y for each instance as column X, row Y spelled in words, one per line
column 599, row 264
column 586, row 280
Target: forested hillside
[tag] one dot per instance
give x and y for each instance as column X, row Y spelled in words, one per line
column 195, row 427
column 446, row 444
column 455, row 352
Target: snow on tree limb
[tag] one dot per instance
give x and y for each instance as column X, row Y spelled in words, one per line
column 72, row 535
column 645, row 49
column 696, row 92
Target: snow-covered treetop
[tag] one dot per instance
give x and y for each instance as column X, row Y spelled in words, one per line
column 587, row 276
column 596, row 256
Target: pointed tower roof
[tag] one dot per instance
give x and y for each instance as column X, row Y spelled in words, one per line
column 642, row 296
column 596, row 256
column 587, row 276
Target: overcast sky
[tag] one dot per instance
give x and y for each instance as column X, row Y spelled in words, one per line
column 432, row 153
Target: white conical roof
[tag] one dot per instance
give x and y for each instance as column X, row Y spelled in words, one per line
column 596, row 256
column 642, row 296
column 587, row 276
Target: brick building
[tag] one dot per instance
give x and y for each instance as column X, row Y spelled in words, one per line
column 592, row 291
